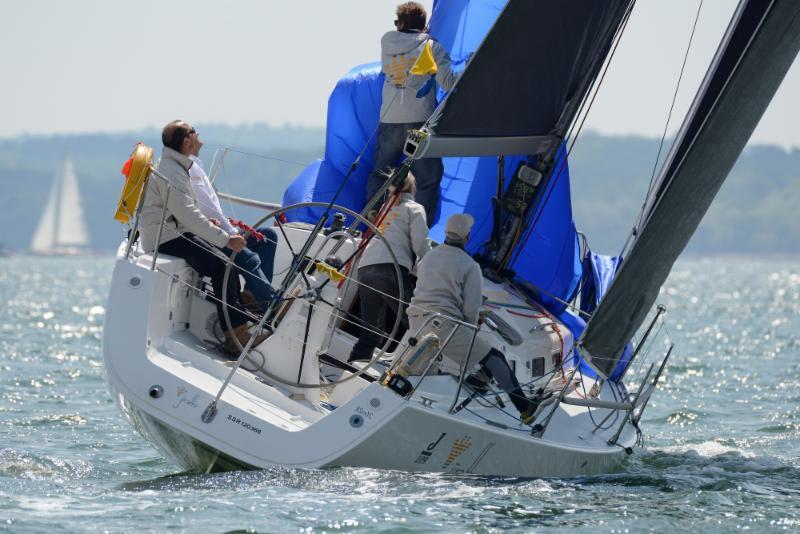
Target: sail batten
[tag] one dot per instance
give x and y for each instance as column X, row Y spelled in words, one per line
column 756, row 52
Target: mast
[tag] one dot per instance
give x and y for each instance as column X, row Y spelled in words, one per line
column 757, row 50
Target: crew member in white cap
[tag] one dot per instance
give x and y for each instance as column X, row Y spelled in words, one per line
column 449, row 282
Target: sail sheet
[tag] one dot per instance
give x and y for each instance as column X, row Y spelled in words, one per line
column 757, row 50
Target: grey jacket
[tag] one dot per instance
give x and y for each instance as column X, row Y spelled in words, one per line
column 449, row 281
column 405, row 230
column 182, row 214
column 399, row 52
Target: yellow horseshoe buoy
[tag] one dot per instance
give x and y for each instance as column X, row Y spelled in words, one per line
column 136, row 171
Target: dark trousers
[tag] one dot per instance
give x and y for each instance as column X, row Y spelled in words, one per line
column 197, row 254
column 496, row 366
column 427, row 171
column 375, row 306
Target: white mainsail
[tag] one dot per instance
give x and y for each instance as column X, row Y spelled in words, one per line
column 62, row 229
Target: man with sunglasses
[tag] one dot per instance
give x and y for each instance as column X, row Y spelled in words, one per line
column 256, row 261
column 187, row 233
column 407, row 102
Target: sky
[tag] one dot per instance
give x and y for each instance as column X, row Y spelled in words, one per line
column 82, row 66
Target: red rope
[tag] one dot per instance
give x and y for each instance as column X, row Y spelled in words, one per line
column 528, row 315
column 249, row 230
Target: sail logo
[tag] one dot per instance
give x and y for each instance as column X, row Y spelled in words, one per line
column 457, row 449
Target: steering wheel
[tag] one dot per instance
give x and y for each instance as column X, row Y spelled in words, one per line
column 314, row 291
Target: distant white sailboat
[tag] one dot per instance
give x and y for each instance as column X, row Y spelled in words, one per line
column 62, row 228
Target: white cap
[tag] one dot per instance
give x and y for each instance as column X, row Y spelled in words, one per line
column 458, row 227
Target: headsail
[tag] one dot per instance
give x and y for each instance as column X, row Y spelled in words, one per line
column 757, row 50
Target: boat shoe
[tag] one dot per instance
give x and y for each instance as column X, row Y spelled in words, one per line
column 478, row 382
column 537, row 404
column 243, row 335
column 249, row 302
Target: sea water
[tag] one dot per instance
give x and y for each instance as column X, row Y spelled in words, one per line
column 722, row 447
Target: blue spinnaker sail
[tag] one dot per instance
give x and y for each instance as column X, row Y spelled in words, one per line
column 548, row 255
column 353, row 111
column 599, row 271
column 549, row 258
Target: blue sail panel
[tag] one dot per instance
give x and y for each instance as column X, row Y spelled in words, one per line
column 353, row 112
column 599, row 271
column 468, row 185
column 461, row 25
column 548, row 256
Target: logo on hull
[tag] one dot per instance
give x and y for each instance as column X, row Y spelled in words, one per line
column 428, row 452
column 457, row 449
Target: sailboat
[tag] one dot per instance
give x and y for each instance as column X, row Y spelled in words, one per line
column 62, row 228
column 573, row 325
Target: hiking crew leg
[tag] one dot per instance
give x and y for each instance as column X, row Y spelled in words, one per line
column 388, row 152
column 249, row 265
column 197, row 254
column 496, row 366
column 428, row 172
column 265, row 250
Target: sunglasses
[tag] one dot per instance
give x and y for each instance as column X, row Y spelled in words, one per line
column 180, row 135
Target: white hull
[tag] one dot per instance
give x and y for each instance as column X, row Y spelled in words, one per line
column 163, row 377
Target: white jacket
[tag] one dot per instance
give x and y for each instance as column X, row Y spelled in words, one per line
column 449, row 281
column 405, row 230
column 399, row 52
column 182, row 214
